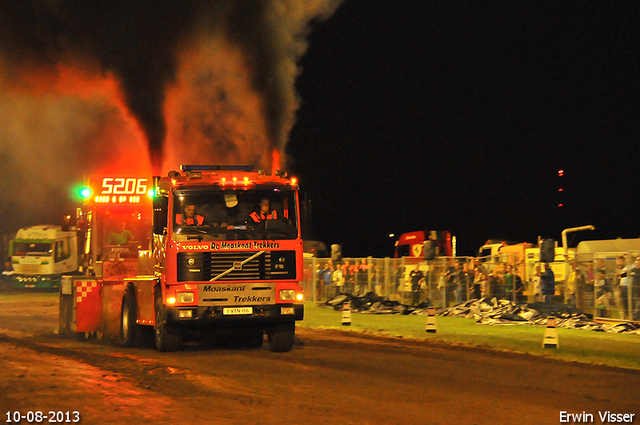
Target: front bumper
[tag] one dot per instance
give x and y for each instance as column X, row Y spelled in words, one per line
column 262, row 314
column 35, row 282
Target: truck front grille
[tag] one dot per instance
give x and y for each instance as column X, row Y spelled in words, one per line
column 227, row 266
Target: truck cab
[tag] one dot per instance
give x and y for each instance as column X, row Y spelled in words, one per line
column 40, row 255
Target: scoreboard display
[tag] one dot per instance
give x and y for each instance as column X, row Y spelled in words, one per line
column 121, row 190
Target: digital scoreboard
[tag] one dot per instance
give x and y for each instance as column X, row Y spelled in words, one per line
column 121, row 190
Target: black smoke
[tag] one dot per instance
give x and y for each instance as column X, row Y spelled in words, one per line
column 55, row 137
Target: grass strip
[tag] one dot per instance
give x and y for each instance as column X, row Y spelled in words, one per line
column 611, row 349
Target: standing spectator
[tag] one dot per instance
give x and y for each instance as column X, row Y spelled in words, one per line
column 348, row 275
column 397, row 277
column 455, row 280
column 519, row 289
column 375, row 280
column 620, row 286
column 474, row 287
column 496, row 283
column 466, row 277
column 634, row 293
column 625, row 286
column 603, row 291
column 548, row 284
column 362, row 277
column 534, row 284
column 325, row 278
column 338, row 280
column 479, row 281
column 615, row 284
column 442, row 285
column 575, row 285
column 417, row 277
column 508, row 283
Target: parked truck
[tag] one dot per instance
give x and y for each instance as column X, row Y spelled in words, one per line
column 195, row 261
column 412, row 244
column 41, row 254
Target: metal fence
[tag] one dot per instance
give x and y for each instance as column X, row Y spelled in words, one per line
column 604, row 284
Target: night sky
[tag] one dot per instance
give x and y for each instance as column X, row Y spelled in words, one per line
column 441, row 115
column 457, row 115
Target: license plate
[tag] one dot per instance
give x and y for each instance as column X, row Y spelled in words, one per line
column 30, row 286
column 237, row 310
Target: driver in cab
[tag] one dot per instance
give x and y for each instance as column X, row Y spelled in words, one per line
column 190, row 218
column 120, row 236
column 264, row 213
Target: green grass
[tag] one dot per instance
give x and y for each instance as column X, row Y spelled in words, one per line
column 618, row 350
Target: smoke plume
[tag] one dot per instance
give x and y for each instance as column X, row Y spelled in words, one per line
column 88, row 86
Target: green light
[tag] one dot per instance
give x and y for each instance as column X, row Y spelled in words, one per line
column 151, row 193
column 85, row 192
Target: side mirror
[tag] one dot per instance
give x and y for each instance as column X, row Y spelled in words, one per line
column 160, row 212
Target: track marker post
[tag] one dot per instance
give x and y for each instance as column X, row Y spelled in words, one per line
column 346, row 314
column 550, row 334
column 431, row 320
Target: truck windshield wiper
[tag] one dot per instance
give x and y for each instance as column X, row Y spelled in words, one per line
column 187, row 230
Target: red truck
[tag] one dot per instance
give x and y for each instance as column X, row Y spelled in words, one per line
column 412, row 244
column 190, row 259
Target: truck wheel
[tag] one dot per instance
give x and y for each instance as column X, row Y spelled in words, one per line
column 165, row 341
column 129, row 329
column 281, row 337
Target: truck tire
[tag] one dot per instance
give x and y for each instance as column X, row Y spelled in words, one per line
column 281, row 337
column 165, row 340
column 129, row 329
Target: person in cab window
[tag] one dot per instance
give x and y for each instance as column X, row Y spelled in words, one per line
column 190, row 218
column 120, row 236
column 264, row 213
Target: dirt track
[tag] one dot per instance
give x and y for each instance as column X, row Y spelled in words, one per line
column 329, row 377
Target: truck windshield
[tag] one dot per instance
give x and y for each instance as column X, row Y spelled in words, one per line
column 216, row 214
column 28, row 248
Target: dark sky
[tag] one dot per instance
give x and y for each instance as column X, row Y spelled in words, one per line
column 443, row 115
column 457, row 115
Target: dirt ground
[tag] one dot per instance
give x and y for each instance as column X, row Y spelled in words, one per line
column 329, row 377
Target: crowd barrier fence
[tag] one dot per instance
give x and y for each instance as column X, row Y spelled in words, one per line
column 445, row 284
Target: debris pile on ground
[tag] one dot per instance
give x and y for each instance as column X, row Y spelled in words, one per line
column 487, row 311
column 491, row 311
column 370, row 303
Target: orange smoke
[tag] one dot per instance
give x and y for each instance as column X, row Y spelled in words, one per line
column 80, row 113
column 276, row 161
column 213, row 114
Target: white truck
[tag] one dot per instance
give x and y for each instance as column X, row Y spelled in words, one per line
column 41, row 254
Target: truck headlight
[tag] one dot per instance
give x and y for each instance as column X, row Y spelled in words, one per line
column 185, row 297
column 287, row 294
